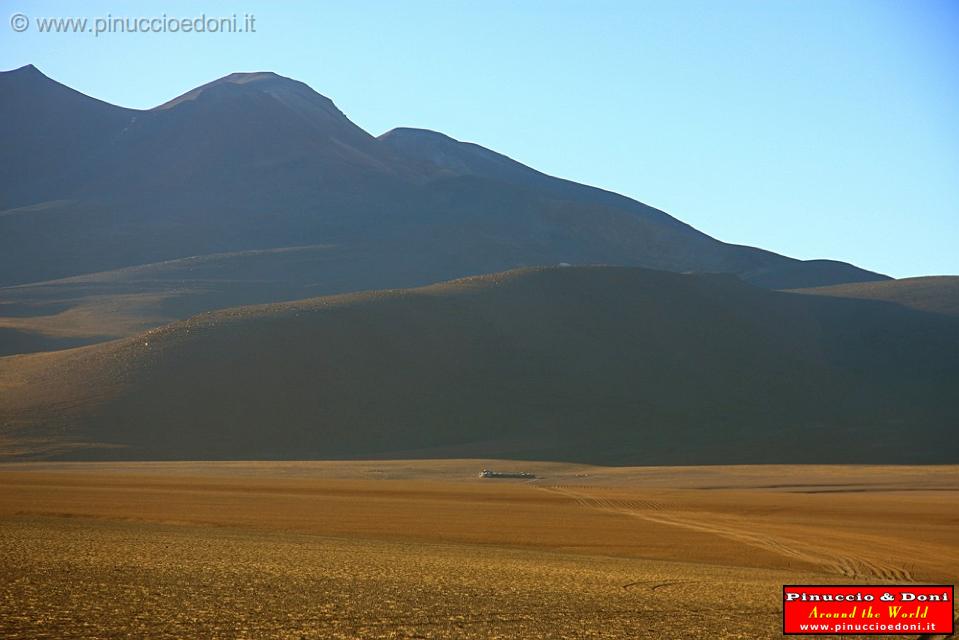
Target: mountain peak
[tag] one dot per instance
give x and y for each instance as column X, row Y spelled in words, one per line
column 26, row 74
column 450, row 154
column 285, row 89
column 414, row 133
column 27, row 69
column 277, row 98
column 241, row 77
column 38, row 93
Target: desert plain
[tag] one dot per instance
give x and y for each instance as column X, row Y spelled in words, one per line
column 426, row 549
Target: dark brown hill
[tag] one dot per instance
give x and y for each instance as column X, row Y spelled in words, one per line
column 603, row 364
column 938, row 294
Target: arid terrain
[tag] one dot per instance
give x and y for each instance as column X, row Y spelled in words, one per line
column 666, row 322
column 424, row 549
column 598, row 365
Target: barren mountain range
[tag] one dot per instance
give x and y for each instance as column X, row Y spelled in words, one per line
column 145, row 235
column 254, row 188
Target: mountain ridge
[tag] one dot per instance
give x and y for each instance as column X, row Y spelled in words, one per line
column 257, row 162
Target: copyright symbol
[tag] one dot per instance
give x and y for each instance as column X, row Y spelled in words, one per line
column 19, row 22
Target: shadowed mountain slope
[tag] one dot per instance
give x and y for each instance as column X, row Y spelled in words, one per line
column 938, row 294
column 255, row 162
column 47, row 130
column 601, row 364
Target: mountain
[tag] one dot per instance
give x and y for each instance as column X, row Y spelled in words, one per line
column 47, row 130
column 938, row 294
column 258, row 166
column 596, row 364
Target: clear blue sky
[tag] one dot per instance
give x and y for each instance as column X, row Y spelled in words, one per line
column 811, row 128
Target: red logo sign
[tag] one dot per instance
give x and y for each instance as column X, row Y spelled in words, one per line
column 868, row 610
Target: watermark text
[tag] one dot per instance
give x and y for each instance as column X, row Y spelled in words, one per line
column 110, row 24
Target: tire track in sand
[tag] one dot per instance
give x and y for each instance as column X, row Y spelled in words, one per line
column 839, row 561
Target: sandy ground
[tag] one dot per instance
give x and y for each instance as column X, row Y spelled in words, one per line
column 405, row 549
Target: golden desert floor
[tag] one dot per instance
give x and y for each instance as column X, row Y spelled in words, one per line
column 426, row 549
